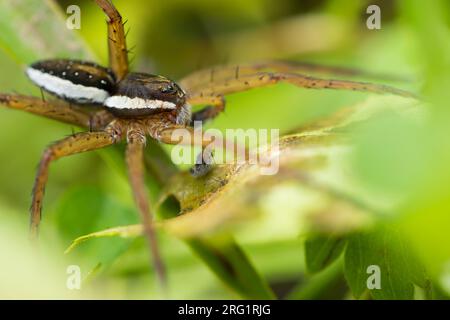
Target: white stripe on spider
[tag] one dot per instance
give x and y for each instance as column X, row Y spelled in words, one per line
column 67, row 89
column 124, row 102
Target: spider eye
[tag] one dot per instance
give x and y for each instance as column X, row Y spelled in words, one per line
column 168, row 89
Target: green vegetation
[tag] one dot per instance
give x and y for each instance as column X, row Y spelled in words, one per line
column 368, row 186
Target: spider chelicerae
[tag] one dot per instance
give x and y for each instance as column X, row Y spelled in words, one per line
column 135, row 106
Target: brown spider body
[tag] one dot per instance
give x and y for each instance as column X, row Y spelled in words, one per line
column 135, row 106
column 137, row 95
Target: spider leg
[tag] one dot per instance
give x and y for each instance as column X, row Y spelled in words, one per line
column 55, row 109
column 135, row 163
column 203, row 164
column 215, row 105
column 169, row 135
column 79, row 142
column 261, row 79
column 198, row 79
column 185, row 135
column 117, row 46
column 99, row 120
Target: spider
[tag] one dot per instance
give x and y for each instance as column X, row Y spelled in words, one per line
column 137, row 106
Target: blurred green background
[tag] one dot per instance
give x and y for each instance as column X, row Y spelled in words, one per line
column 402, row 164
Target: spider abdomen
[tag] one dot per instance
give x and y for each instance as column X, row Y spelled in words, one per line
column 73, row 80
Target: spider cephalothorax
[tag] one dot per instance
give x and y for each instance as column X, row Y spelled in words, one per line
column 135, row 106
column 141, row 94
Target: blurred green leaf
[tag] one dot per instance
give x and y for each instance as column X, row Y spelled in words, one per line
column 46, row 35
column 425, row 216
column 322, row 285
column 223, row 256
column 322, row 250
column 386, row 249
column 84, row 210
column 228, row 261
column 121, row 231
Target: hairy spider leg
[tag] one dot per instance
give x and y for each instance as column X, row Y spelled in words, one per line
column 197, row 79
column 214, row 106
column 117, row 46
column 79, row 142
column 165, row 135
column 55, row 109
column 262, row 79
column 135, row 163
column 211, row 90
column 203, row 164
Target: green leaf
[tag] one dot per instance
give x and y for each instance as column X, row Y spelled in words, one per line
column 83, row 210
column 229, row 262
column 45, row 33
column 386, row 249
column 320, row 285
column 322, row 250
column 122, row 231
column 222, row 255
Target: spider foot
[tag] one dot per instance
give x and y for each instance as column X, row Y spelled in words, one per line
column 204, row 114
column 203, row 165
